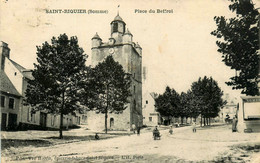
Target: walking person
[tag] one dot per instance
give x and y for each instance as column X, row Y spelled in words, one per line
column 193, row 126
column 138, row 130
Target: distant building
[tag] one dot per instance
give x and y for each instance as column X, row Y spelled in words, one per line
column 10, row 103
column 129, row 55
column 150, row 116
column 14, row 81
column 229, row 109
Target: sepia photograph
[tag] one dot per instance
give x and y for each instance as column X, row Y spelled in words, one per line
column 130, row 81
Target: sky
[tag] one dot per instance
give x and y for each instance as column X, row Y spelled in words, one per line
column 177, row 47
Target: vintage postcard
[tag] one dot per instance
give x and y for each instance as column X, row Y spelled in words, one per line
column 130, row 81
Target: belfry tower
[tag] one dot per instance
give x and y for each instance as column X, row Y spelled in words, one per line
column 129, row 54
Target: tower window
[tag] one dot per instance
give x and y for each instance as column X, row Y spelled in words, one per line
column 115, row 27
column 146, row 101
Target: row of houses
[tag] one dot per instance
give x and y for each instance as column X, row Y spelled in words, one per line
column 151, row 117
column 14, row 115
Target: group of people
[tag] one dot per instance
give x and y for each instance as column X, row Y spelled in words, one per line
column 134, row 128
column 156, row 132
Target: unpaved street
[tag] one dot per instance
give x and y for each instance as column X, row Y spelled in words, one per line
column 208, row 144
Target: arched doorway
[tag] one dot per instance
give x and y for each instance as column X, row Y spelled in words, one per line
column 111, row 122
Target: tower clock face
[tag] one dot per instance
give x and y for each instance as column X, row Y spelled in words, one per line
column 111, row 50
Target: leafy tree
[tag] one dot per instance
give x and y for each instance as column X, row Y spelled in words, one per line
column 238, row 42
column 184, row 107
column 193, row 103
column 109, row 86
column 209, row 97
column 189, row 105
column 167, row 104
column 57, row 77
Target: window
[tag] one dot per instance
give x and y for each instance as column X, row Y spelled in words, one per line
column 11, row 103
column 146, row 102
column 2, row 101
column 15, row 73
column 115, row 27
column 150, row 119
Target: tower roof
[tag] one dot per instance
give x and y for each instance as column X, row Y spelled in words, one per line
column 96, row 36
column 118, row 18
column 128, row 32
column 137, row 45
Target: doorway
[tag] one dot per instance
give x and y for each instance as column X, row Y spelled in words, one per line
column 3, row 122
column 111, row 122
column 43, row 119
column 12, row 121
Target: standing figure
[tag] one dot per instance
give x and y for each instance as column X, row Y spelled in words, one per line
column 138, row 130
column 133, row 128
column 234, row 124
column 171, row 131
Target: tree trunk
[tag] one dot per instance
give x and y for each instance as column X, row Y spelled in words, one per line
column 209, row 120
column 204, row 121
column 61, row 125
column 106, row 112
column 201, row 120
column 61, row 116
column 106, row 121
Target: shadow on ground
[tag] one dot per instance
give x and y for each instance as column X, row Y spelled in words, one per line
column 15, row 143
column 53, row 140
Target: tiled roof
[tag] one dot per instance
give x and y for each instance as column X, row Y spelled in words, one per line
column 26, row 72
column 6, row 85
column 19, row 67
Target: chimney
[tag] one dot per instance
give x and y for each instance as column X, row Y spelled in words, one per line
column 4, row 52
